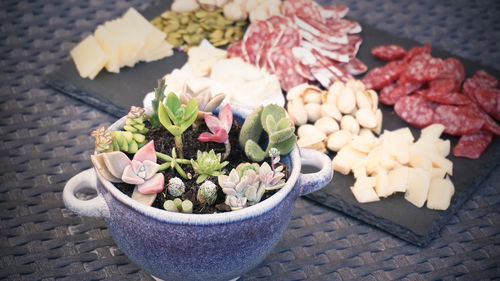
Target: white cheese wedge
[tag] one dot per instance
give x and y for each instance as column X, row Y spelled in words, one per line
column 398, row 179
column 443, row 147
column 433, row 131
column 346, row 158
column 201, row 59
column 438, row 173
column 440, row 193
column 382, row 187
column 418, row 186
column 109, row 44
column 363, row 189
column 89, row 57
column 373, row 159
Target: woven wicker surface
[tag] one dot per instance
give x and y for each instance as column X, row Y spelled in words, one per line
column 44, row 141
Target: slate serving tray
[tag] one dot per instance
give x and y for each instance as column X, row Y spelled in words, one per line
column 115, row 93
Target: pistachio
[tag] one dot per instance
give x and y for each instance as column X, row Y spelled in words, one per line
column 363, row 99
column 327, row 125
column 314, row 141
column 374, row 99
column 297, row 111
column 346, row 101
column 334, row 92
column 378, row 116
column 308, row 129
column 312, row 97
column 350, row 124
column 330, row 110
column 296, row 91
column 338, row 139
column 313, row 111
column 366, row 118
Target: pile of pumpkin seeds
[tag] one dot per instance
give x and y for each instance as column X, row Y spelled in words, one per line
column 190, row 28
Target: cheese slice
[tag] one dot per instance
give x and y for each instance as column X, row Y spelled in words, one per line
column 201, row 59
column 89, row 57
column 109, row 44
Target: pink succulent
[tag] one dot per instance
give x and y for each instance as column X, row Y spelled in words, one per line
column 219, row 127
column 141, row 170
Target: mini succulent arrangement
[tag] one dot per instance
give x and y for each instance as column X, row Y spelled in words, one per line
column 185, row 158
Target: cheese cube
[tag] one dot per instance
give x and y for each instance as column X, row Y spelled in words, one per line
column 382, row 187
column 346, row 158
column 440, row 193
column 89, row 57
column 363, row 190
column 418, row 186
column 363, row 144
column 387, row 160
column 359, row 168
column 419, row 159
column 443, row 147
column 433, row 131
column 398, row 179
column 373, row 159
column 438, row 173
column 378, row 116
column 403, row 134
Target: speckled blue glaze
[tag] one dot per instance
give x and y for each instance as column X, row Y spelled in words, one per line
column 177, row 246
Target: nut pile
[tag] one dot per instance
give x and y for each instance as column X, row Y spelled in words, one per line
column 331, row 119
column 190, row 28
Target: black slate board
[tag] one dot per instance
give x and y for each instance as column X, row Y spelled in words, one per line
column 115, row 93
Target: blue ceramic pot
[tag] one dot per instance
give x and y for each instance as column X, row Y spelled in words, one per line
column 178, row 246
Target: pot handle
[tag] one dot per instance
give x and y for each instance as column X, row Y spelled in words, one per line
column 95, row 207
column 315, row 181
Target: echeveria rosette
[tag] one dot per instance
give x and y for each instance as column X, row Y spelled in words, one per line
column 207, row 164
column 141, row 170
column 241, row 191
column 271, row 180
column 219, row 128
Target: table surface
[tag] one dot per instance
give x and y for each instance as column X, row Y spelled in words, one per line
column 45, row 140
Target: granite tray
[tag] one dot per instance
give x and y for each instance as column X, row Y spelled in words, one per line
column 115, row 93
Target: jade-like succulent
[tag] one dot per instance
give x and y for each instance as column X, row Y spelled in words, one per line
column 159, row 95
column 135, row 120
column 280, row 131
column 241, row 191
column 103, row 139
column 176, row 187
column 177, row 205
column 207, row 193
column 219, row 128
column 177, row 117
column 171, row 161
column 207, row 164
column 142, row 170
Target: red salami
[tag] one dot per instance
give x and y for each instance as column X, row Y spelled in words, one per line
column 450, row 98
column 335, row 68
column 382, row 76
column 472, row 146
column 456, row 121
column 489, row 100
column 414, row 110
column 234, row 49
column 393, row 94
column 306, row 8
column 389, row 52
column 343, row 25
column 423, row 67
column 453, row 69
column 253, row 40
column 442, row 85
column 304, row 71
column 320, row 29
column 425, row 49
column 486, row 81
column 335, row 11
column 385, row 94
column 278, row 22
column 283, row 63
column 469, row 88
column 355, row 67
column 474, row 110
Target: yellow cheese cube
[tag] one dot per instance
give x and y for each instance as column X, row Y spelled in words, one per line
column 440, row 193
column 398, row 179
column 363, row 189
column 382, row 187
column 89, row 57
column 419, row 159
column 418, row 186
column 346, row 158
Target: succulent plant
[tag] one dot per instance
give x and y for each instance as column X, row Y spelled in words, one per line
column 171, row 161
column 178, row 205
column 176, row 187
column 135, row 120
column 177, row 118
column 241, row 191
column 103, row 139
column 243, row 167
column 207, row 193
column 280, row 130
column 159, row 95
column 275, row 157
column 207, row 164
column 269, row 179
column 142, row 170
column 206, row 102
column 219, row 128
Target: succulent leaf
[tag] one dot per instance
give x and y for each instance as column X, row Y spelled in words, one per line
column 251, row 128
column 281, row 135
column 254, row 152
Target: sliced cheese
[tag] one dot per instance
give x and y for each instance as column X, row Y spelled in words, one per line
column 433, row 131
column 418, row 186
column 201, row 59
column 109, row 44
column 440, row 193
column 89, row 57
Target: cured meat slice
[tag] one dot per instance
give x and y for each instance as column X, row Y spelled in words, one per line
column 335, row 11
column 319, row 41
column 355, row 67
column 472, row 146
column 489, row 100
column 288, row 38
column 382, row 76
column 417, row 50
column 469, row 88
column 393, row 93
column 389, row 52
column 453, row 69
column 414, row 110
column 234, row 50
column 253, row 40
column 486, row 80
column 456, row 120
column 450, row 98
column 283, row 64
column 278, row 22
column 474, row 110
column 343, row 25
column 306, row 8
column 442, row 85
column 422, row 67
column 320, row 29
column 338, row 71
column 304, row 71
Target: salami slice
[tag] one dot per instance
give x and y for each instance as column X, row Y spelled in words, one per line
column 379, row 77
column 389, row 52
column 234, row 49
column 423, row 67
column 472, row 146
column 469, row 88
column 392, row 93
column 450, row 98
column 278, row 22
column 456, row 121
column 490, row 125
column 355, row 67
column 304, row 71
column 453, row 69
column 283, row 63
column 253, row 40
column 335, row 11
column 338, row 71
column 425, row 49
column 320, row 29
column 489, row 100
column 443, row 85
column 414, row 111
column 307, row 9
column 343, row 25
column 486, row 81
